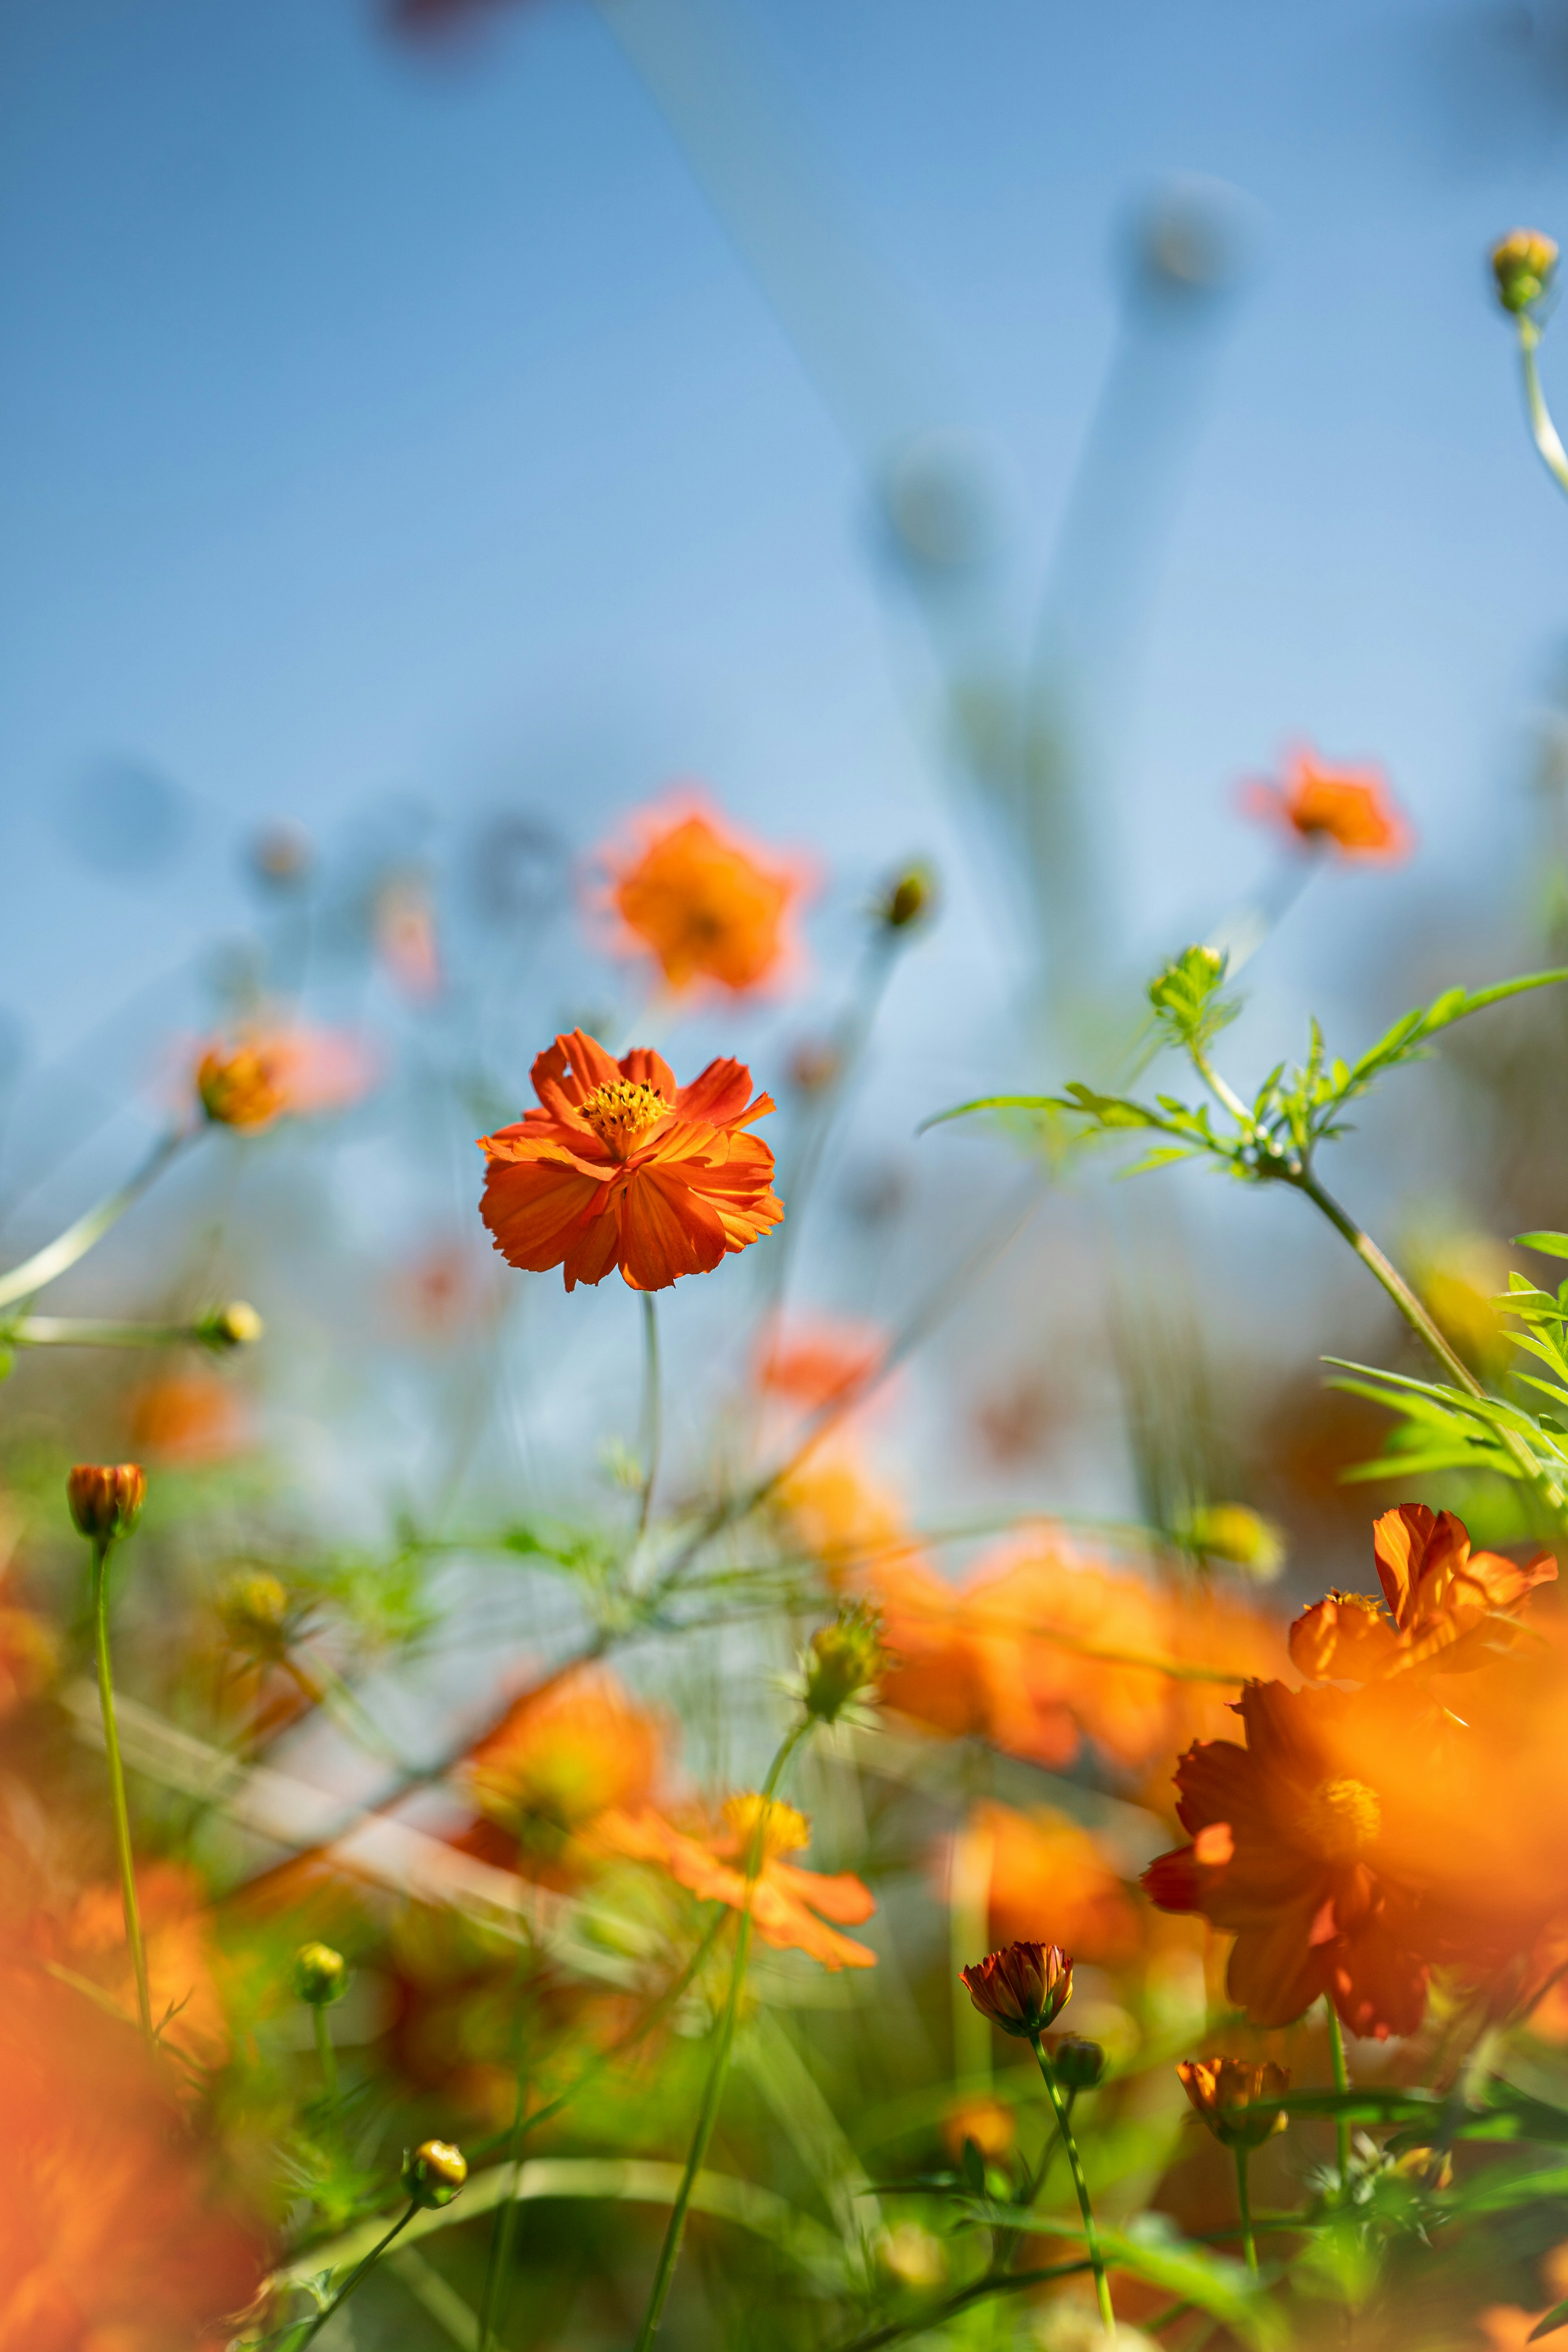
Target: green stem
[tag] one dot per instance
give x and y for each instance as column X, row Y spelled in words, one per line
column 1341, row 2085
column 1392, row 1281
column 1221, row 1091
column 670, row 2253
column 100, row 1551
column 1064, row 2125
column 500, row 2256
column 56, row 1257
column 352, row 2280
column 1543, row 430
column 1244, row 2205
column 652, row 1408
column 324, row 2050
column 92, row 1331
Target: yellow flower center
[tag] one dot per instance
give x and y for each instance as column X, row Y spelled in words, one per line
column 620, row 1113
column 787, row 1830
column 1341, row 1819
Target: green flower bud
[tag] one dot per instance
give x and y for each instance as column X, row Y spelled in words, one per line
column 234, row 1326
column 845, row 1659
column 321, row 1975
column 1523, row 264
column 1076, row 2064
column 434, row 2172
column 907, row 897
column 1243, row 1538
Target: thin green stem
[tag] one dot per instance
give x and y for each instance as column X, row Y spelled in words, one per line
column 1221, row 1091
column 1243, row 2206
column 708, row 2115
column 1544, row 432
column 92, row 1331
column 1341, row 2085
column 500, row 2256
column 354, row 2279
column 652, row 1408
column 122, row 1813
column 324, row 2050
column 1392, row 1281
column 995, row 2283
column 1064, row 2123
column 56, row 1257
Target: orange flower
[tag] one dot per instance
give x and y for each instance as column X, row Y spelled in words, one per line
column 247, row 1086
column 992, row 2127
column 788, row 1905
column 1450, row 1607
column 1043, row 1864
column 179, row 1955
column 837, row 1512
column 186, row 1417
column 112, row 2237
column 705, row 901
column 1350, row 808
column 621, row 1167
column 812, row 1361
column 559, row 1757
column 1023, row 1988
column 1294, row 1852
column 1223, row 2091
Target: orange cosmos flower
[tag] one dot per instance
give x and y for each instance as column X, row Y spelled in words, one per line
column 190, row 1417
column 1225, row 2091
column 707, row 902
column 295, row 1072
column 789, row 1905
column 1349, row 809
column 621, row 1167
column 1293, row 1851
column 1446, row 1606
column 812, row 1361
column 560, row 1758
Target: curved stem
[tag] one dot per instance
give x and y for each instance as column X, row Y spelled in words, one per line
column 1217, row 1086
column 1341, row 2085
column 708, row 2115
column 1243, row 2206
column 352, row 2280
column 118, row 1808
column 58, row 1257
column 1064, row 2125
column 652, row 1408
column 1392, row 1281
column 1543, row 429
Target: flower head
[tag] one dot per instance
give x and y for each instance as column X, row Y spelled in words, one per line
column 1446, row 1606
column 560, row 1758
column 1349, row 808
column 1225, row 2091
column 620, row 1167
column 708, row 903
column 247, row 1084
column 1294, row 1851
column 789, row 1905
column 105, row 1501
column 1523, row 263
column 1022, row 1989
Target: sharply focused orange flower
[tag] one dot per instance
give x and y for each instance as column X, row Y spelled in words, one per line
column 621, row 1167
column 1349, row 808
column 705, row 901
column 296, row 1072
column 560, row 1758
column 789, row 1905
column 1292, row 1851
column 1446, row 1606
column 111, row 2239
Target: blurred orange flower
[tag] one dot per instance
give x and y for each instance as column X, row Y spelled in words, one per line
column 705, row 901
column 295, row 1071
column 177, row 1928
column 28, row 1652
column 813, row 1361
column 187, row 1417
column 1294, row 1852
column 406, row 939
column 789, row 1905
column 112, row 2240
column 1045, row 1866
column 838, row 1514
column 1350, row 808
column 1450, row 1606
column 621, row 1167
column 560, row 1758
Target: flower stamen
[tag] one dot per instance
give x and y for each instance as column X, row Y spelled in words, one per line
column 1341, row 1819
column 621, row 1112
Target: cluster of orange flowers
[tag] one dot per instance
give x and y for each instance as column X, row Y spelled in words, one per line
column 1407, row 1810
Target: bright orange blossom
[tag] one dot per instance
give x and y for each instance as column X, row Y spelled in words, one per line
column 1449, row 1607
column 621, row 1167
column 789, row 1905
column 1349, row 808
column 705, row 901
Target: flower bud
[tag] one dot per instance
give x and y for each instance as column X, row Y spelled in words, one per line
column 1224, row 2091
column 106, row 1502
column 1523, row 264
column 237, row 1325
column 815, row 1066
column 907, row 899
column 434, row 2172
column 321, row 1976
column 239, row 1088
column 281, row 856
column 1023, row 1988
column 254, row 1606
column 1243, row 1538
column 844, row 1660
column 1076, row 2064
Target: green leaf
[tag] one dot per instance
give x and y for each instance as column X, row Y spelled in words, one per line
column 1549, row 1245
column 1554, row 2318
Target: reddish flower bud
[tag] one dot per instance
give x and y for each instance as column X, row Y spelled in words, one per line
column 106, row 1502
column 1022, row 1988
column 1223, row 2091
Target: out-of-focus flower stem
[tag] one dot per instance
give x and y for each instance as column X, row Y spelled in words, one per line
column 100, row 1551
column 708, row 2115
column 91, row 1331
column 1075, row 2162
column 45, row 1266
column 324, row 2050
column 1341, row 2085
column 1544, row 433
column 1243, row 2206
column 298, row 2343
column 652, row 1410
